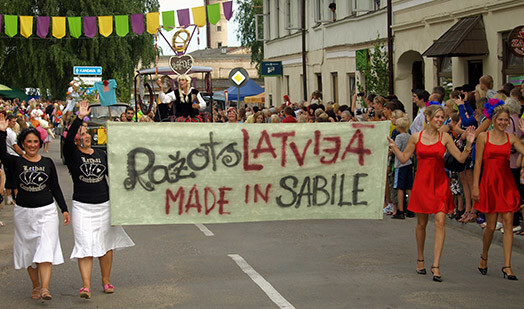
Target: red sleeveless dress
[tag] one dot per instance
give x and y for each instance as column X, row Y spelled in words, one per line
column 431, row 192
column 498, row 191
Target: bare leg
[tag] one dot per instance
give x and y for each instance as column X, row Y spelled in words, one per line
column 420, row 233
column 33, row 274
column 400, row 194
column 507, row 240
column 440, row 235
column 45, row 273
column 86, row 267
column 487, row 237
column 467, row 192
column 106, row 262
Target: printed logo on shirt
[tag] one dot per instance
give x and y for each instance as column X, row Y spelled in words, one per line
column 92, row 170
column 33, row 178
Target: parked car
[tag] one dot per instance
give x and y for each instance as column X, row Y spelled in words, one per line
column 96, row 125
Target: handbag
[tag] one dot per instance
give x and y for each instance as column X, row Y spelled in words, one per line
column 450, row 163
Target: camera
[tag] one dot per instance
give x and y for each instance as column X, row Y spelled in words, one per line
column 361, row 94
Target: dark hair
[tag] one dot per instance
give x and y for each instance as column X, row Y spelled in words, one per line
column 129, row 108
column 371, row 97
column 289, row 111
column 11, row 116
column 440, row 90
column 23, row 135
column 422, row 94
column 507, row 87
column 333, row 6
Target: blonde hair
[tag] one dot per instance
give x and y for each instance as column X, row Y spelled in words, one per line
column 275, row 119
column 397, row 114
column 481, row 92
column 432, row 110
column 500, row 110
column 500, row 96
column 450, row 103
column 513, row 105
column 486, row 80
column 403, row 123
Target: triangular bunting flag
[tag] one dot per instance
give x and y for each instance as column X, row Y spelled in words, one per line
column 153, row 22
column 213, row 13
column 168, row 20
column 11, row 25
column 42, row 26
column 75, row 26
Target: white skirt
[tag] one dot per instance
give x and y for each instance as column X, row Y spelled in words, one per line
column 94, row 235
column 36, row 237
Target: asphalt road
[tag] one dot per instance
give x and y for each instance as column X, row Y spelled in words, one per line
column 289, row 264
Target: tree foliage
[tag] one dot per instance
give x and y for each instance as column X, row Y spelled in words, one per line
column 48, row 63
column 246, row 33
column 376, row 72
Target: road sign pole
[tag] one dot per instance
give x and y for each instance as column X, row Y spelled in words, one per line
column 238, row 97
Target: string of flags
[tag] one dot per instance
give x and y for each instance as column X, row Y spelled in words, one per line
column 87, row 25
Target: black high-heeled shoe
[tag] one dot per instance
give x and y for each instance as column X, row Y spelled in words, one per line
column 436, row 278
column 421, row 271
column 483, row 271
column 509, row 277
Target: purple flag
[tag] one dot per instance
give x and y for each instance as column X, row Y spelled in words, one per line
column 137, row 23
column 42, row 26
column 228, row 9
column 183, row 17
column 89, row 26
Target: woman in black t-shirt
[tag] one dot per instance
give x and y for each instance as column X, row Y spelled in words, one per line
column 94, row 235
column 36, row 243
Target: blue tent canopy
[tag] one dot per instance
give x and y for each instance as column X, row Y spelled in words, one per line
column 249, row 89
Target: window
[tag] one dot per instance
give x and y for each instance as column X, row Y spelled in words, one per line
column 351, row 88
column 444, row 72
column 219, row 28
column 334, row 81
column 219, row 44
column 277, row 19
column 319, row 81
column 364, row 5
column 286, row 81
column 323, row 12
column 513, row 66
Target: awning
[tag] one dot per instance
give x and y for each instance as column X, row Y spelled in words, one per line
column 13, row 93
column 259, row 98
column 466, row 38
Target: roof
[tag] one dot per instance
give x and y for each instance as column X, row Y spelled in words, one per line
column 168, row 71
column 467, row 37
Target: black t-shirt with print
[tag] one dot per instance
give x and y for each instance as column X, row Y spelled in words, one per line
column 37, row 182
column 87, row 170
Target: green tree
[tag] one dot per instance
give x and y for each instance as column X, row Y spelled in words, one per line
column 376, row 73
column 48, row 63
column 246, row 33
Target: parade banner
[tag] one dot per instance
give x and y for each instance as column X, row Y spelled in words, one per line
column 174, row 173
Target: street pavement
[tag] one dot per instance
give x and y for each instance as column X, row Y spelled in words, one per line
column 286, row 264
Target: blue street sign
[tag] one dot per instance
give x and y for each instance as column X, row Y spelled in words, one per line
column 271, row 68
column 87, row 70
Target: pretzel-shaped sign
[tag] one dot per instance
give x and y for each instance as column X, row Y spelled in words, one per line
column 180, row 42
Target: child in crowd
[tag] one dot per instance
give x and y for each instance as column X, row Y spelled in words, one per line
column 403, row 172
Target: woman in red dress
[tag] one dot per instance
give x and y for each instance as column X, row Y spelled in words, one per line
column 497, row 192
column 431, row 193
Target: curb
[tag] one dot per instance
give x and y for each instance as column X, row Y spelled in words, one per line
column 475, row 230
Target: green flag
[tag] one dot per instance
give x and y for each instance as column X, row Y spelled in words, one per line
column 213, row 13
column 75, row 26
column 122, row 25
column 11, row 25
column 168, row 20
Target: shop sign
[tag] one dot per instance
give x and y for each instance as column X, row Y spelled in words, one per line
column 516, row 41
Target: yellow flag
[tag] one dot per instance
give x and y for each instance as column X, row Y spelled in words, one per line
column 59, row 27
column 199, row 16
column 26, row 26
column 105, row 25
column 153, row 22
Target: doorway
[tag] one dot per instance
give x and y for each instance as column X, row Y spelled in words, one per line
column 474, row 72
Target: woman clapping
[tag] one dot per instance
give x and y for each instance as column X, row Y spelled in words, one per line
column 431, row 193
column 94, row 235
column 36, row 243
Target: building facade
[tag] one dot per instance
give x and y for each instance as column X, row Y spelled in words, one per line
column 332, row 41
column 436, row 43
column 427, row 25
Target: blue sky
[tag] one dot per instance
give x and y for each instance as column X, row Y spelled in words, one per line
column 168, row 5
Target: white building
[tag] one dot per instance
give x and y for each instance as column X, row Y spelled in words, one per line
column 331, row 45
